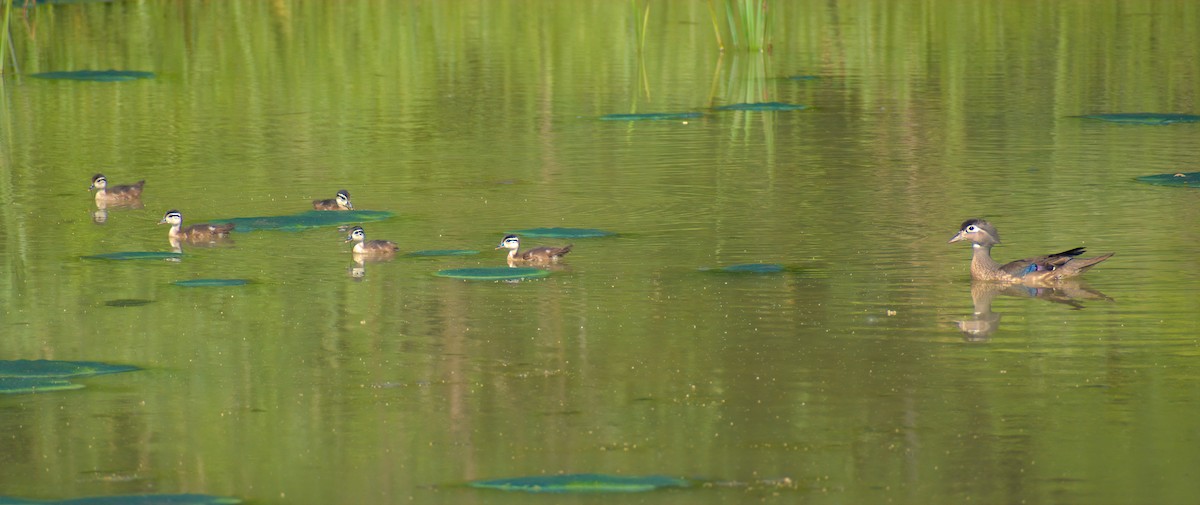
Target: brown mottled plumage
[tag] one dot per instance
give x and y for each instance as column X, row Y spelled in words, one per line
column 339, row 202
column 116, row 193
column 535, row 255
column 362, row 246
column 194, row 233
column 1037, row 270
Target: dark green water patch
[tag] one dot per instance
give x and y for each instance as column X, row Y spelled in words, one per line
column 762, row 106
column 1180, row 179
column 583, row 483
column 211, row 283
column 563, row 233
column 134, row 499
column 135, row 255
column 44, row 368
column 430, row 253
column 493, row 273
column 305, row 220
column 1146, row 118
column 18, row 385
column 651, row 116
column 748, row 268
column 127, row 302
column 97, row 75
column 803, row 77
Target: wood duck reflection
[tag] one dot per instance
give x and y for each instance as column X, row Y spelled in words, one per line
column 339, row 202
column 197, row 233
column 1038, row 270
column 984, row 322
column 537, row 255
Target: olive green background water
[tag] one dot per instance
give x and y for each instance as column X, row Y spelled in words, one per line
column 846, row 379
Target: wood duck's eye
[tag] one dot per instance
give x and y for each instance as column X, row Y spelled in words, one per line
column 972, row 229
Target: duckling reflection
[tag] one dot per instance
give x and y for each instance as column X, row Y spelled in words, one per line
column 358, row 270
column 100, row 215
column 984, row 322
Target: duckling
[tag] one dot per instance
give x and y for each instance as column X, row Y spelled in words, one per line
column 194, row 233
column 339, row 202
column 1030, row 271
column 535, row 255
column 116, row 193
column 370, row 247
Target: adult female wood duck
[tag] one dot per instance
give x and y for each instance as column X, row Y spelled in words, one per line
column 1040, row 269
column 195, row 233
column 535, row 255
column 375, row 248
column 339, row 202
column 125, row 193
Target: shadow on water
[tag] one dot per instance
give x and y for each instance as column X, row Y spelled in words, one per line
column 984, row 322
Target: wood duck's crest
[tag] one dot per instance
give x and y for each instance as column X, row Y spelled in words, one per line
column 341, row 201
column 115, row 193
column 370, row 247
column 978, row 231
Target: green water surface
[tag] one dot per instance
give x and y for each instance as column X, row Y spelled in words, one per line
column 867, row 369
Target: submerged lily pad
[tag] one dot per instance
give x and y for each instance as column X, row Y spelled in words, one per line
column 493, row 274
column 804, row 77
column 209, row 283
column 45, row 368
column 15, row 385
column 583, row 483
column 442, row 252
column 135, row 255
column 1147, row 118
column 97, row 75
column 563, row 233
column 752, row 268
column 762, row 106
column 134, row 499
column 305, row 220
column 128, row 302
column 649, row 116
column 1188, row 179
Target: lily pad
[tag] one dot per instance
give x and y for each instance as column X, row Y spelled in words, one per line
column 305, row 220
column 44, row 368
column 650, row 116
column 763, row 106
column 1188, row 179
column 493, row 274
column 1146, row 118
column 134, row 499
column 563, row 233
column 750, row 268
column 15, row 385
column 128, row 302
column 804, row 77
column 583, row 483
column 211, row 283
column 442, row 252
column 135, row 255
column 97, row 75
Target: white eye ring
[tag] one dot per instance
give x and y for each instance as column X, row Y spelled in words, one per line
column 972, row 229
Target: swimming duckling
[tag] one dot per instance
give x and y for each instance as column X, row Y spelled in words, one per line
column 370, row 247
column 116, row 193
column 339, row 202
column 195, row 233
column 535, row 255
column 1030, row 271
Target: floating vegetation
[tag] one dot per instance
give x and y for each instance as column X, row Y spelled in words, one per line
column 211, row 283
column 305, row 220
column 134, row 499
column 442, row 252
column 1181, row 179
column 650, row 116
column 127, row 302
column 1146, row 118
column 563, row 233
column 762, row 106
column 17, row 385
column 749, row 268
column 97, row 75
column 58, row 369
column 493, row 273
column 583, row 483
column 135, row 255
column 803, row 77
